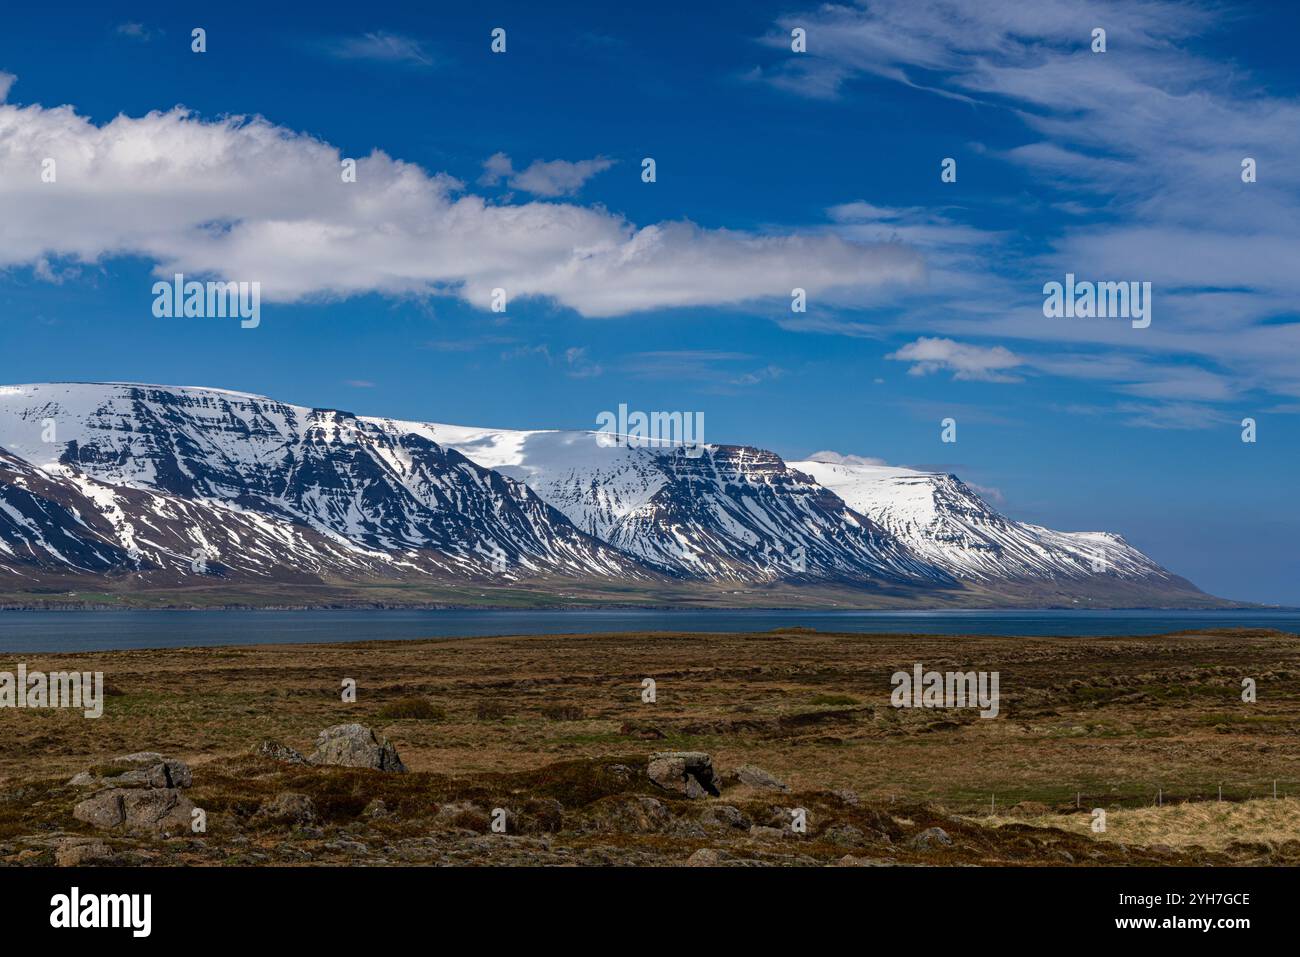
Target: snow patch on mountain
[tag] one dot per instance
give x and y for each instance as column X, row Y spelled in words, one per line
column 943, row 520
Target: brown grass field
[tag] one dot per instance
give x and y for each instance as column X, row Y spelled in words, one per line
column 553, row 730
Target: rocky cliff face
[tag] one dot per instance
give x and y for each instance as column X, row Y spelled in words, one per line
column 162, row 485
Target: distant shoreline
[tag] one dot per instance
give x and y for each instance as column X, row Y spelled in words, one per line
column 580, row 608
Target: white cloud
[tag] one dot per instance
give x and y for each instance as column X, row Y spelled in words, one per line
column 989, row 493
column 382, row 47
column 1138, row 151
column 580, row 364
column 549, row 178
column 963, row 360
column 135, row 31
column 1182, row 416
column 835, row 458
column 248, row 200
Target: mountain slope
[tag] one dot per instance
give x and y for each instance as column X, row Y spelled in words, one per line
column 942, row 520
column 124, row 488
column 733, row 513
column 261, row 487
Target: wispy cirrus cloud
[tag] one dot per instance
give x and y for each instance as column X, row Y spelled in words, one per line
column 714, row 369
column 380, row 46
column 1139, row 149
column 134, row 30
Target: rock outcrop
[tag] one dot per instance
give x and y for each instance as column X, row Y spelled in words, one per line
column 355, row 746
column 143, row 769
column 756, row 777
column 161, row 812
column 688, row 773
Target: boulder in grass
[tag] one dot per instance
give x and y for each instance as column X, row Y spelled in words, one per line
column 102, row 810
column 355, row 746
column 688, row 773
column 143, row 769
column 758, row 778
column 160, row 812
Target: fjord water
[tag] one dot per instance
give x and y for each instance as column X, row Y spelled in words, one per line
column 69, row 631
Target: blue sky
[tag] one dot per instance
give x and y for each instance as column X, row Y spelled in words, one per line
column 522, row 170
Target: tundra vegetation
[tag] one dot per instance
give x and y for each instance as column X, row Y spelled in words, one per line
column 777, row 748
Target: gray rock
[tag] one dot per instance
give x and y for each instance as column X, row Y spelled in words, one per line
column 355, row 746
column 279, row 752
column 144, row 769
column 101, row 810
column 139, row 758
column 689, row 773
column 160, row 812
column 930, row 838
column 75, row 852
column 755, row 777
column 759, row 832
column 290, row 807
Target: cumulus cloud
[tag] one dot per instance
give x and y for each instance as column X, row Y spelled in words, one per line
column 549, row 178
column 244, row 199
column 963, row 360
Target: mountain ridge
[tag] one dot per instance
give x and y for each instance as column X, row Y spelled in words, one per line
column 141, row 489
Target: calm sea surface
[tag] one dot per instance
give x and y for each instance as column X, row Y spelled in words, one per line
column 36, row 631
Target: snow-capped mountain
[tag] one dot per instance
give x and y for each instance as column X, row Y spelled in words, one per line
column 943, row 521
column 152, row 478
column 140, row 486
column 732, row 513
